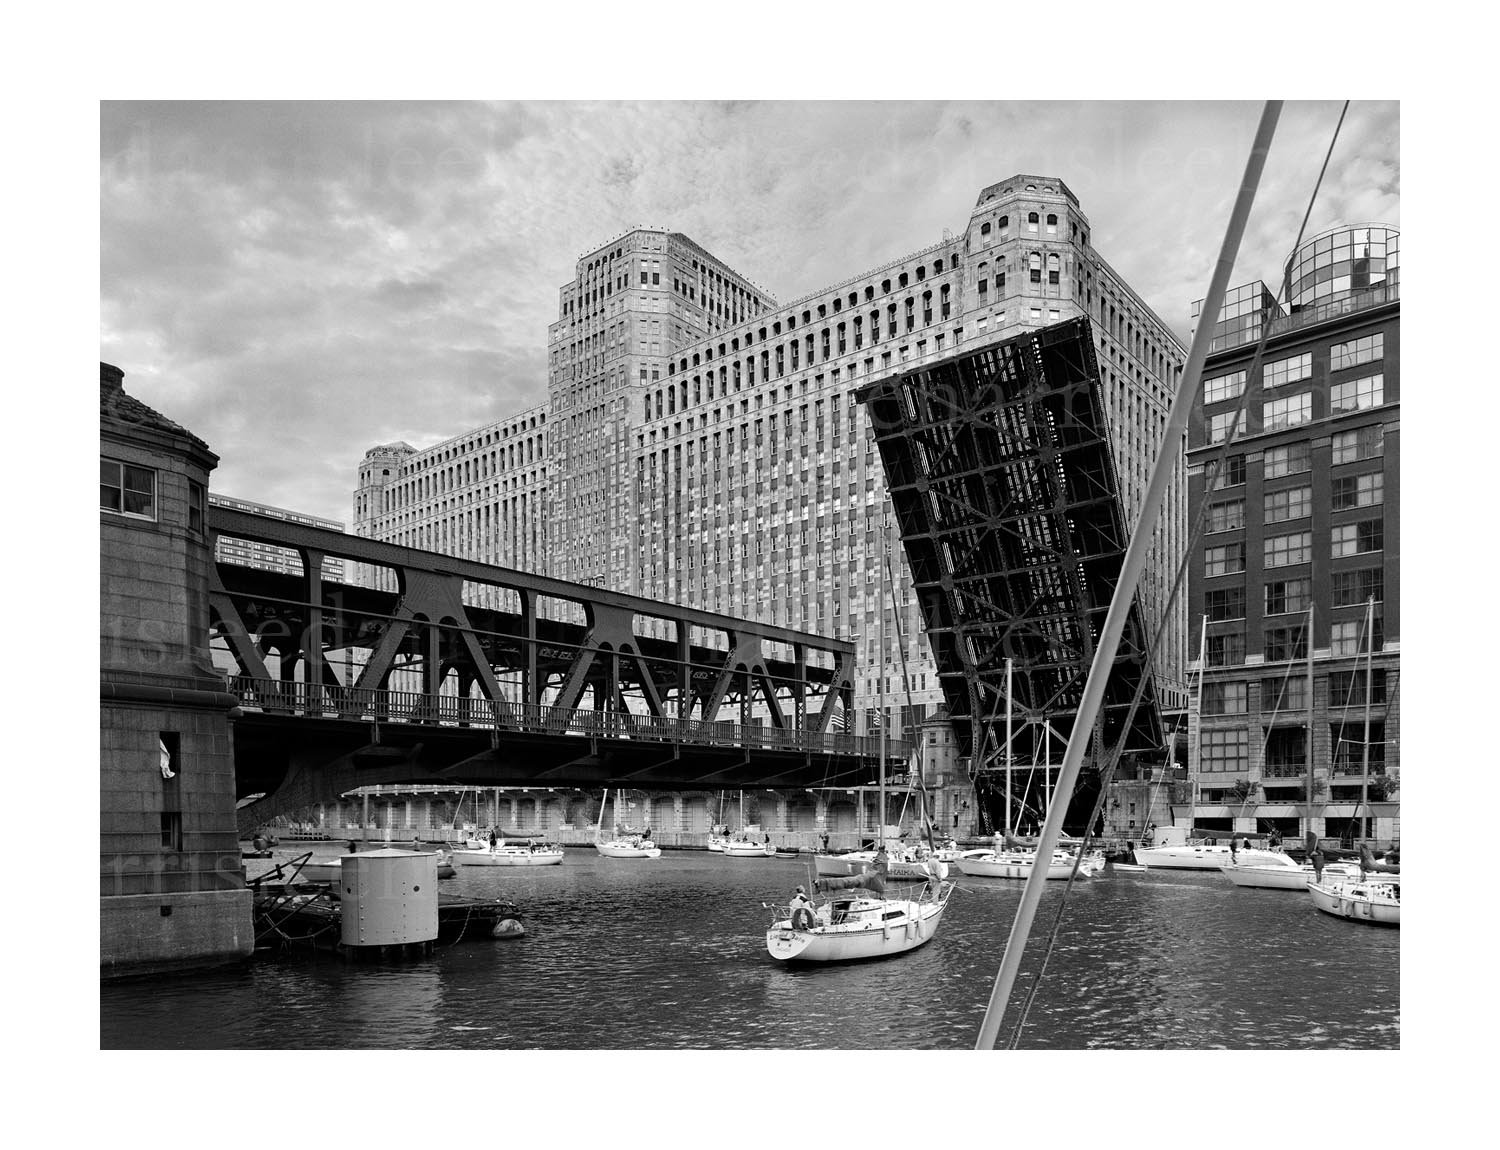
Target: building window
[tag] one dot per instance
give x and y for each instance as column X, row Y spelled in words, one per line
column 1225, row 750
column 1352, row 588
column 127, row 490
column 197, row 506
column 1226, row 649
column 1283, row 643
column 1292, row 459
column 984, row 228
column 169, row 761
column 1032, row 219
column 1280, row 413
column 1228, row 516
column 1358, row 538
column 1284, row 550
column 1366, row 349
column 1223, row 387
column 1349, row 747
column 1289, row 370
column 1356, row 394
column 1220, row 426
column 1293, row 503
column 1051, row 224
column 1224, row 603
column 1361, row 443
column 1347, row 688
column 1232, row 474
column 1288, row 693
column 1347, row 636
column 1284, row 596
column 1358, row 491
column 1225, row 698
column 1226, row 560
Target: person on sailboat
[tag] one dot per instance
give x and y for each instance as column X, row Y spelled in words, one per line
column 802, row 910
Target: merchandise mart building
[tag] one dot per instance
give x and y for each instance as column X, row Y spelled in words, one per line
column 701, row 443
column 1294, row 592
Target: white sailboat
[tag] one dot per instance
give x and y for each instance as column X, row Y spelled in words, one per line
column 718, row 834
column 1372, row 898
column 741, row 846
column 503, row 852
column 626, row 847
column 856, row 920
column 1012, row 859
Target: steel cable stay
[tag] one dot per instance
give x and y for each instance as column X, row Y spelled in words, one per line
column 1131, row 566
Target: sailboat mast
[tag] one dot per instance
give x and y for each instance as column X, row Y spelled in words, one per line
column 880, row 814
column 1007, row 745
column 1364, row 770
column 1198, row 733
column 1307, row 792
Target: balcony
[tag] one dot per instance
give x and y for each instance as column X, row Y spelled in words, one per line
column 1307, row 317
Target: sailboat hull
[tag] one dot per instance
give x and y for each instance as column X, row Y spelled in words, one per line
column 1203, row 856
column 1014, row 865
column 1288, row 877
column 872, row 928
column 627, row 851
column 912, row 870
column 1375, row 899
column 508, row 856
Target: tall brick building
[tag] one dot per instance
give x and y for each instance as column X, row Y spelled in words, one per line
column 1295, row 592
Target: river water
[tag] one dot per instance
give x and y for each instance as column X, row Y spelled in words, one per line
column 670, row 954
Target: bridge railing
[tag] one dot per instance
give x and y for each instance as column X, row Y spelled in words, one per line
column 311, row 700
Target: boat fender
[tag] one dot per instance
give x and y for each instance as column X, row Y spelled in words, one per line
column 508, row 928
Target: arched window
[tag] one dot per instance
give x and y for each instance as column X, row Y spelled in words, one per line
column 1004, row 223
column 1036, row 268
column 902, row 281
column 984, row 228
column 1051, row 224
column 937, row 267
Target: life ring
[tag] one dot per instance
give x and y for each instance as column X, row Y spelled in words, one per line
column 804, row 916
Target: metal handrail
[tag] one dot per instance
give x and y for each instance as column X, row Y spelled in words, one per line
column 311, row 700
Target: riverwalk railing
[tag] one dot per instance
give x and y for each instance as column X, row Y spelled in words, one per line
column 327, row 701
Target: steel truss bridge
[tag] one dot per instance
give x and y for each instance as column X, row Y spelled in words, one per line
column 438, row 669
column 1005, row 494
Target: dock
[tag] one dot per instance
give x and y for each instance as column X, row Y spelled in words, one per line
column 308, row 916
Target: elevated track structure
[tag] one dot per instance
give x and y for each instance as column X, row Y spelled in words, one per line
column 431, row 668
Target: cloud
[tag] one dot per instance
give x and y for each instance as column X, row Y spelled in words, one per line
column 298, row 282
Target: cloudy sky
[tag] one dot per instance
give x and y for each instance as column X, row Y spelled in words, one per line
column 297, row 282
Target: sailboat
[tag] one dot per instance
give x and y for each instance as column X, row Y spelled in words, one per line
column 1172, row 848
column 1374, row 896
column 1010, row 857
column 741, row 846
column 718, row 834
column 857, row 920
column 628, row 847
